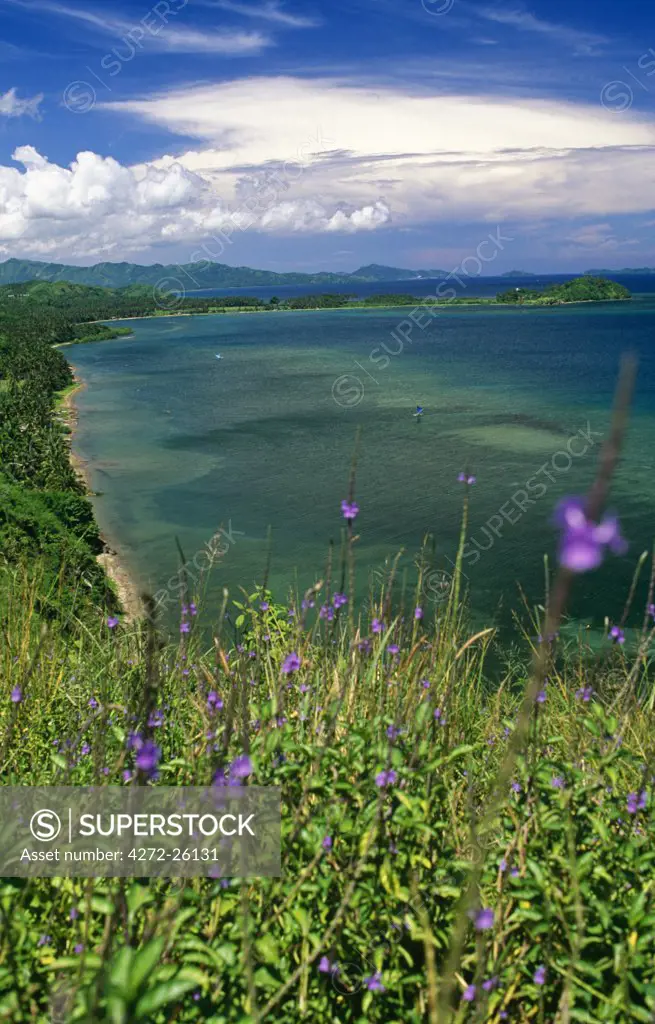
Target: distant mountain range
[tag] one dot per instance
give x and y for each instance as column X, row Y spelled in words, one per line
column 192, row 276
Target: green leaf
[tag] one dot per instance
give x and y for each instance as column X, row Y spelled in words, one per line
column 161, row 995
column 102, row 905
column 120, row 970
column 144, row 964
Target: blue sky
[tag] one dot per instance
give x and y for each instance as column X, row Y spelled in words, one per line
column 321, row 135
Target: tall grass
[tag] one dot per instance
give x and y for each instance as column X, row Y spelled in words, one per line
column 359, row 928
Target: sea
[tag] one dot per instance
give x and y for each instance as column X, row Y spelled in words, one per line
column 241, row 463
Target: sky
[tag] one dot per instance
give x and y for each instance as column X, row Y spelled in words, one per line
column 329, row 134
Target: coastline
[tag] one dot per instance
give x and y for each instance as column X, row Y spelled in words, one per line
column 124, row 584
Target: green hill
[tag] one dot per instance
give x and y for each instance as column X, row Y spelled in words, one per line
column 193, row 276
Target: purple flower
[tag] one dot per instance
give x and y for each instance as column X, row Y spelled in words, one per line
column 214, row 702
column 385, row 778
column 541, row 697
column 127, row 774
column 85, row 748
column 325, row 967
column 503, row 865
column 339, row 600
column 374, row 982
column 326, row 612
column 74, row 913
column 291, row 663
column 483, row 919
column 557, row 782
column 636, row 802
column 584, row 693
column 45, row 940
column 393, row 649
column 464, row 478
column 392, row 732
column 516, row 787
column 468, row 995
column 583, row 542
column 264, row 606
column 490, row 983
column 377, row 626
column 79, row 948
column 185, row 627
column 193, row 609
column 240, row 768
column 112, row 621
column 349, row 509
column 651, row 610
column 304, row 688
column 540, row 975
column 617, row 634
column 147, row 757
column 93, row 703
column 418, row 613
column 16, row 695
column 327, row 843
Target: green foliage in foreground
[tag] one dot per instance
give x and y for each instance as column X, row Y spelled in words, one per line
column 568, row 867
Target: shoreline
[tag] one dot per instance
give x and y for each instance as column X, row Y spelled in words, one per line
column 116, row 571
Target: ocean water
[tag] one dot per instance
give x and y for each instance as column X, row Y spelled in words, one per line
column 259, row 444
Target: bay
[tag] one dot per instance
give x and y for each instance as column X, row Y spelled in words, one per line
column 181, row 445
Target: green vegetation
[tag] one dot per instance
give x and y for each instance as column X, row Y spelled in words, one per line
column 459, row 845
column 580, row 289
column 45, row 517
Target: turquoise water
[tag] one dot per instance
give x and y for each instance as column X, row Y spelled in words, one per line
column 180, row 444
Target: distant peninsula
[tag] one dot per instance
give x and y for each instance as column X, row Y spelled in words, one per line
column 518, row 273
column 197, row 276
column 75, row 313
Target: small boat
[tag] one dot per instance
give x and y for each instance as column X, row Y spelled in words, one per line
column 419, row 411
column 218, row 357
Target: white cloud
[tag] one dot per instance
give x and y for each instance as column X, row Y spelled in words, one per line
column 598, row 237
column 269, row 11
column 427, row 157
column 156, row 32
column 283, row 156
column 12, row 106
column 97, row 206
column 581, row 42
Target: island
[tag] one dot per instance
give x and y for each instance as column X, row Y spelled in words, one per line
column 580, row 289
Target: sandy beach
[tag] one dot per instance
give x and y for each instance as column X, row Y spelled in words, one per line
column 125, row 586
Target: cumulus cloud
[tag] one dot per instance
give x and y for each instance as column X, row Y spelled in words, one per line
column 12, row 106
column 98, row 206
